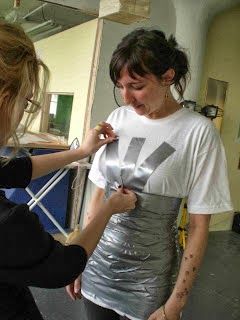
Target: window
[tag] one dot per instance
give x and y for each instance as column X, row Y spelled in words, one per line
column 216, row 95
column 57, row 114
column 216, row 92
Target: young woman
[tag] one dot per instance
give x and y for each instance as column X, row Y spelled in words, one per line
column 29, row 255
column 164, row 153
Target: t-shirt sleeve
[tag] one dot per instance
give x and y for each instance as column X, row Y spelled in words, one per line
column 95, row 175
column 209, row 192
column 17, row 173
column 31, row 257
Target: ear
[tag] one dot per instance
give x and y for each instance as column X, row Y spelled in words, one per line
column 168, row 76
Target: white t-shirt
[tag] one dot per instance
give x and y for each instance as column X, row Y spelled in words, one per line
column 196, row 170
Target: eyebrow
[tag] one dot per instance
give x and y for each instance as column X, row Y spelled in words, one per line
column 131, row 83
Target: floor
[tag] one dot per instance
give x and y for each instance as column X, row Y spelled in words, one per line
column 215, row 296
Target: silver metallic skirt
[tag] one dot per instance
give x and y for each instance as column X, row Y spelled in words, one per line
column 133, row 267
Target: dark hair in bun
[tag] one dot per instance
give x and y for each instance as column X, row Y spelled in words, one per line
column 149, row 52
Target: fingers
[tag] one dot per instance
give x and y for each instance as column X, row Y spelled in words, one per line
column 106, row 129
column 129, row 196
column 158, row 315
column 77, row 285
column 70, row 291
column 98, row 127
column 130, row 193
column 74, row 289
column 130, row 199
column 105, row 141
column 127, row 191
column 120, row 189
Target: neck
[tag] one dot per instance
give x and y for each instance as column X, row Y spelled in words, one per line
column 169, row 106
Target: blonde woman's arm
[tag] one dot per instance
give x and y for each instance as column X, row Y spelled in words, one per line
column 95, row 223
column 44, row 164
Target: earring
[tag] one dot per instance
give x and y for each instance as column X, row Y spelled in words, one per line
column 166, row 95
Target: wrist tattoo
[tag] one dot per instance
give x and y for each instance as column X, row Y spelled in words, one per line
column 180, row 295
column 186, row 258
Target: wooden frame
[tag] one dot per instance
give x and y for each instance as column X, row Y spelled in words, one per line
column 81, row 174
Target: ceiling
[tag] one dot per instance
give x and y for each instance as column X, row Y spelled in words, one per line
column 42, row 18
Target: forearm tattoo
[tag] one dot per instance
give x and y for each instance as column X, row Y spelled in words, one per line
column 185, row 292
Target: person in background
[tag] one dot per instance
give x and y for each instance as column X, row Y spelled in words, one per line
column 29, row 255
column 164, row 153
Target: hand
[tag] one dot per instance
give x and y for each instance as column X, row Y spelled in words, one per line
column 159, row 315
column 121, row 201
column 93, row 142
column 72, row 235
column 74, row 289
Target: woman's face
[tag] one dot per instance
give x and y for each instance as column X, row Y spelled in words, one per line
column 16, row 117
column 145, row 94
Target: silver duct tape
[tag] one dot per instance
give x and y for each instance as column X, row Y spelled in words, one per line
column 130, row 159
column 113, row 171
column 143, row 172
column 132, row 269
column 133, row 266
column 133, row 177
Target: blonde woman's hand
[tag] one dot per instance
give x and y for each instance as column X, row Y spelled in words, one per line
column 74, row 289
column 97, row 137
column 122, row 200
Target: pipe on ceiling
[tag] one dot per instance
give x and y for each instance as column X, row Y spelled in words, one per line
column 41, row 25
column 35, row 10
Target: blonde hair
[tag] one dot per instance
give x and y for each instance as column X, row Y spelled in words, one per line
column 20, row 70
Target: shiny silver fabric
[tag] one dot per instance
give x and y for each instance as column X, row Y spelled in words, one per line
column 131, row 271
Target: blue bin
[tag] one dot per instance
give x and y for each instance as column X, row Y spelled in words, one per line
column 56, row 201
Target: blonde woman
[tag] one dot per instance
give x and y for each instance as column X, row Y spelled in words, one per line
column 29, row 255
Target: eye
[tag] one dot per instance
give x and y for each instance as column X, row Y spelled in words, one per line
column 138, row 87
column 31, row 106
column 118, row 85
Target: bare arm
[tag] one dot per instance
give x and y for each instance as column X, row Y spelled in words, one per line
column 101, row 212
column 190, row 264
column 96, row 200
column 94, row 225
column 44, row 164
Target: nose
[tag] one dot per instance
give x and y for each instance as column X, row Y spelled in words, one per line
column 127, row 96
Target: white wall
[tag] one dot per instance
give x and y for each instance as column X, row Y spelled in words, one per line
column 162, row 17
column 192, row 22
column 69, row 56
column 191, row 34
